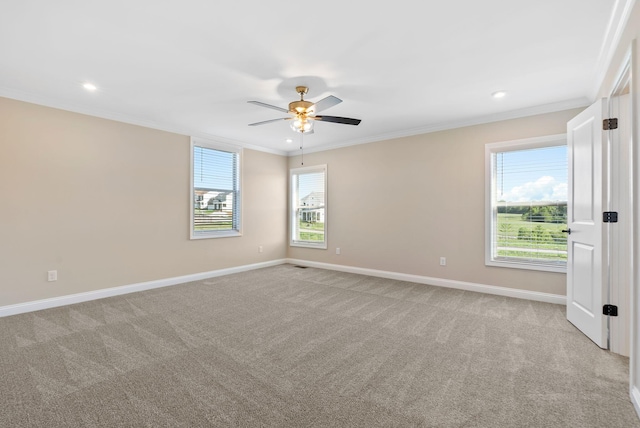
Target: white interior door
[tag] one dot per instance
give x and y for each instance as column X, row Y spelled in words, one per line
column 586, row 291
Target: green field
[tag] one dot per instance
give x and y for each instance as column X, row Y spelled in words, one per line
column 312, row 231
column 537, row 239
column 216, row 226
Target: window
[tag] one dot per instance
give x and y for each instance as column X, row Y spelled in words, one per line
column 215, row 190
column 526, row 191
column 309, row 207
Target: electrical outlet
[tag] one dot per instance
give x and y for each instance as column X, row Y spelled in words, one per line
column 52, row 275
column 337, row 250
column 259, row 248
column 443, row 261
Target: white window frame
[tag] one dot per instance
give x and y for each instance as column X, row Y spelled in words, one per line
column 198, row 142
column 293, row 208
column 490, row 190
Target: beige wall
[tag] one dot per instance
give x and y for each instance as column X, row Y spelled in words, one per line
column 107, row 204
column 399, row 205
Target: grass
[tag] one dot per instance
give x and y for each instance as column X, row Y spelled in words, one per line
column 311, row 236
column 311, row 231
column 311, row 225
column 509, row 225
column 529, row 255
column 216, row 226
column 537, row 236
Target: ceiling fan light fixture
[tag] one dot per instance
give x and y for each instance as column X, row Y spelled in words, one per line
column 302, row 125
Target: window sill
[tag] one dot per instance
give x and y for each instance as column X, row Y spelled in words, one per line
column 220, row 234
column 320, row 246
column 514, row 264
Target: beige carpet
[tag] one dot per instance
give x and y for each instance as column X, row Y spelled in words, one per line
column 292, row 347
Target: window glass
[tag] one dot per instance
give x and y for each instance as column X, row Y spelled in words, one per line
column 308, row 206
column 527, row 204
column 215, row 207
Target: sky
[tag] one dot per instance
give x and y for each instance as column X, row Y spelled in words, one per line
column 532, row 175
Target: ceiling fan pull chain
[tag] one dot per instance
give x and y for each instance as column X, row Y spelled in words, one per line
column 301, row 149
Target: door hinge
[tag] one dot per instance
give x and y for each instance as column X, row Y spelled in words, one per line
column 611, row 310
column 610, row 123
column 610, row 217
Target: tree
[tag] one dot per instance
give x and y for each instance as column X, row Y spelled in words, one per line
column 546, row 214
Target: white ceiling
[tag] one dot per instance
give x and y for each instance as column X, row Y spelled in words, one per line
column 403, row 67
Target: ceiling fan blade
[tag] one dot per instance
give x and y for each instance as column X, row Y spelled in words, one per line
column 258, row 103
column 269, row 121
column 325, row 103
column 336, row 119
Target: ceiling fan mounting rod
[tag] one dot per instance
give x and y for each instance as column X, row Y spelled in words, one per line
column 302, row 106
column 302, row 90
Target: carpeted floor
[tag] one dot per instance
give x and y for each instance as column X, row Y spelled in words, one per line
column 292, row 347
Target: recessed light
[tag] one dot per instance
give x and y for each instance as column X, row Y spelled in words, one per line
column 289, row 140
column 89, row 87
column 499, row 94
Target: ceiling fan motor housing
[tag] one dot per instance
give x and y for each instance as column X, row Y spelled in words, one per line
column 300, row 106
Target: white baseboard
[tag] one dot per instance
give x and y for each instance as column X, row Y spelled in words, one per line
column 132, row 288
column 635, row 399
column 448, row 283
column 125, row 289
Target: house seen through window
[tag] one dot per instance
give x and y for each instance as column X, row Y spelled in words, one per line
column 215, row 191
column 308, row 206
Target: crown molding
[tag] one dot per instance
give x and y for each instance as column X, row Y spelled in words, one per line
column 497, row 117
column 119, row 117
column 617, row 23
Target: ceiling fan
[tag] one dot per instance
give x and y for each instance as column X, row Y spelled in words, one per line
column 303, row 112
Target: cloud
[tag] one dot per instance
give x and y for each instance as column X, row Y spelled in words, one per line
column 544, row 188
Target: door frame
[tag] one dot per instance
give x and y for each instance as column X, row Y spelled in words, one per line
column 628, row 71
column 619, row 197
column 623, row 239
column 634, row 354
